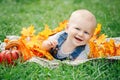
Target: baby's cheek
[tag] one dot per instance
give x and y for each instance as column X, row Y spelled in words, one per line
column 86, row 40
column 88, row 37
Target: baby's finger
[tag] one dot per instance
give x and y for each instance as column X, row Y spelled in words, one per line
column 53, row 43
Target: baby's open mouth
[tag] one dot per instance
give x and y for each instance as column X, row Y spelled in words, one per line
column 78, row 39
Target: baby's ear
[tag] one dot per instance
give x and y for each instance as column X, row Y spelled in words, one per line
column 91, row 35
column 66, row 28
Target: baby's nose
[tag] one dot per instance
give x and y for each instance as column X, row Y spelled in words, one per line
column 81, row 33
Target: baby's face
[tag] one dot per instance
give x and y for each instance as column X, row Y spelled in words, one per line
column 80, row 31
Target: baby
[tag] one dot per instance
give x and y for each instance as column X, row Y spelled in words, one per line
column 71, row 44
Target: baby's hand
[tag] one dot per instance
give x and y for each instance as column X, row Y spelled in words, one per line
column 51, row 43
column 48, row 44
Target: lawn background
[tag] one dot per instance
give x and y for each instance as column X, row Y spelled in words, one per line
column 16, row 14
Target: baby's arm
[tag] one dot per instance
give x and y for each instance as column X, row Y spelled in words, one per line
column 48, row 44
column 51, row 42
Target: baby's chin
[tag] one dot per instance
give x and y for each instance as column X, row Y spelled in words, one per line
column 81, row 44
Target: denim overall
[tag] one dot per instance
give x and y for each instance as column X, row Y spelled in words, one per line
column 73, row 55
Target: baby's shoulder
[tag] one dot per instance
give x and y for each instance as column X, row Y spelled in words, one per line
column 57, row 35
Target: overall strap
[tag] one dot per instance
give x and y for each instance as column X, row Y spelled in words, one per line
column 61, row 39
column 77, row 52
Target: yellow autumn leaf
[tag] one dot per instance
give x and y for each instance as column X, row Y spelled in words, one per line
column 112, row 47
column 28, row 31
column 118, row 50
column 96, row 33
column 46, row 32
column 61, row 26
column 98, row 29
column 101, row 39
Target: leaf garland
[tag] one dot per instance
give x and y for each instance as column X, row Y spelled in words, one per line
column 101, row 47
column 33, row 42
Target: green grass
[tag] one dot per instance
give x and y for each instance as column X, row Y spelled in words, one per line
column 92, row 70
column 16, row 14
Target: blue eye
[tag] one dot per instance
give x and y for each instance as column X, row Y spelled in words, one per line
column 77, row 28
column 86, row 32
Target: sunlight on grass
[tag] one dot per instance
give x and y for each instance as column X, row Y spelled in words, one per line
column 16, row 14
